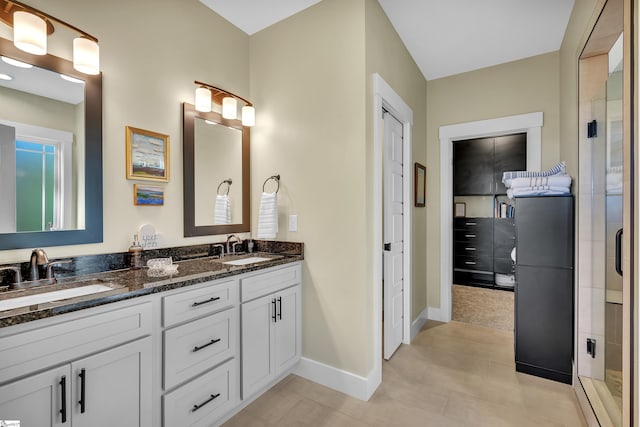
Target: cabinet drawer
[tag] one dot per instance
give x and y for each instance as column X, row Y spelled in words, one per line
column 191, row 304
column 474, row 224
column 473, row 236
column 266, row 283
column 474, row 248
column 34, row 350
column 204, row 400
column 194, row 347
column 482, row 263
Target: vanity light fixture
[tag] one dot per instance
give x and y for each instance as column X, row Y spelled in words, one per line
column 229, row 108
column 30, row 33
column 206, row 94
column 30, row 29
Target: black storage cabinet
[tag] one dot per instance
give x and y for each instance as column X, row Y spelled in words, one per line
column 544, row 292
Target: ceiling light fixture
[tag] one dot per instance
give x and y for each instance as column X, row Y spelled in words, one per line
column 30, row 29
column 5, row 77
column 206, row 94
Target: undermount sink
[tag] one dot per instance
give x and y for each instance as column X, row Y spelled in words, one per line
column 245, row 261
column 52, row 295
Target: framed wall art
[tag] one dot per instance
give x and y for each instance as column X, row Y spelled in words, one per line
column 147, row 155
column 459, row 210
column 148, row 195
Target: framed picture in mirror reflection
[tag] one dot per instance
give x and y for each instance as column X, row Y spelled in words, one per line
column 147, row 155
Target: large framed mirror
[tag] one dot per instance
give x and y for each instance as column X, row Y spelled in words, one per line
column 216, row 174
column 50, row 152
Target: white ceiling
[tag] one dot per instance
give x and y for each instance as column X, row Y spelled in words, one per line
column 252, row 16
column 444, row 37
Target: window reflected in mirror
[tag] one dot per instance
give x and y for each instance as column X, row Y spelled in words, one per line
column 41, row 149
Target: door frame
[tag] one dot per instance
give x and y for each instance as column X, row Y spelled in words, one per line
column 385, row 97
column 531, row 123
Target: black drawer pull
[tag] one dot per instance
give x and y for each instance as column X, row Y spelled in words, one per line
column 280, row 312
column 470, row 262
column 469, row 235
column 63, row 389
column 83, row 380
column 196, row 348
column 273, row 302
column 470, row 249
column 213, row 396
column 212, row 299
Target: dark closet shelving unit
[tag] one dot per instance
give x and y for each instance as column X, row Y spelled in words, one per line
column 482, row 246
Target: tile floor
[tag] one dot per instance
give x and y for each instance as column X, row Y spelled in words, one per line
column 453, row 374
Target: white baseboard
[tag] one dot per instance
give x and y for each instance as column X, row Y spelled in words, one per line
column 419, row 322
column 343, row 381
column 435, row 313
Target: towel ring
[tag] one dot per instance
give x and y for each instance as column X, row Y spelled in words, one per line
column 226, row 181
column 276, row 178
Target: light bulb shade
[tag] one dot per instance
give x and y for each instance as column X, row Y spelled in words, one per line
column 29, row 33
column 229, row 108
column 203, row 99
column 248, row 115
column 86, row 56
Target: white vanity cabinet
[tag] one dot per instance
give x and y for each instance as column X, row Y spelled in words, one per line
column 70, row 374
column 271, row 326
column 200, row 347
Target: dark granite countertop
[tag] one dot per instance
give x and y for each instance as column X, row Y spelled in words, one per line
column 127, row 284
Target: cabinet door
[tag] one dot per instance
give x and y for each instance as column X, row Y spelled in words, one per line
column 544, row 318
column 287, row 329
column 117, row 387
column 473, row 167
column 257, row 349
column 36, row 401
column 510, row 155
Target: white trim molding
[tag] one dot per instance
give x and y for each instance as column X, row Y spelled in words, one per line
column 531, row 123
column 337, row 379
column 417, row 324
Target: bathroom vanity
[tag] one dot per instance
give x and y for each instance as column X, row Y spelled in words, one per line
column 189, row 349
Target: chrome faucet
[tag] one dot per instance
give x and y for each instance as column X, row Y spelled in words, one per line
column 50, row 275
column 238, row 240
column 38, row 258
column 221, row 246
column 17, row 281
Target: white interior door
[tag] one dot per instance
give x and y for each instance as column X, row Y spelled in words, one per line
column 393, row 235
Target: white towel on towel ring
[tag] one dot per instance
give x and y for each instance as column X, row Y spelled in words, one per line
column 268, row 216
column 222, row 211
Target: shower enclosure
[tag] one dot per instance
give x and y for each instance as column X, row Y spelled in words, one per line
column 603, row 304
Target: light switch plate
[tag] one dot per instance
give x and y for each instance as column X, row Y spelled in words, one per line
column 293, row 222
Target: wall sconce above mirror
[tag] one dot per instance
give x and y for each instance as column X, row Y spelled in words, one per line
column 216, row 173
column 31, row 28
column 207, row 94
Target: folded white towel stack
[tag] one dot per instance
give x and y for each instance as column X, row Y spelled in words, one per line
column 554, row 181
column 268, row 216
column 222, row 213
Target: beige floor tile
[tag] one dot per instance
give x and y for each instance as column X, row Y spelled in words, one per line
column 452, row 375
